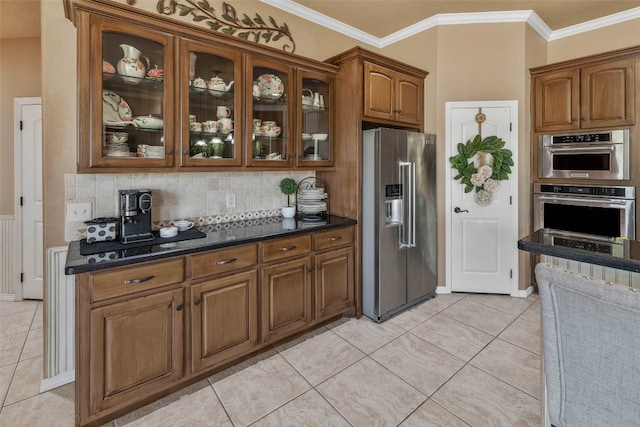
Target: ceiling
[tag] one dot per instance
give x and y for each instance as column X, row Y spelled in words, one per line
column 374, row 19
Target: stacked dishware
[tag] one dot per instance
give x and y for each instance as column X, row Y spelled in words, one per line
column 151, row 151
column 312, row 202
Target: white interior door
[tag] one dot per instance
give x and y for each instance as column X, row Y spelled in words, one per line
column 29, row 115
column 482, row 240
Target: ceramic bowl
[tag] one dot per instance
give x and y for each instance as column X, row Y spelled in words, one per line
column 117, row 137
column 274, row 131
column 148, row 122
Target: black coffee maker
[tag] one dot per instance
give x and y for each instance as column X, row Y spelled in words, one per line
column 135, row 216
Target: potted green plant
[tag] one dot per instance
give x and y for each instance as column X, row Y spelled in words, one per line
column 288, row 186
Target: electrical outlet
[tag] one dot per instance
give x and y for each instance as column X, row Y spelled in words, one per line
column 231, row 200
column 79, row 211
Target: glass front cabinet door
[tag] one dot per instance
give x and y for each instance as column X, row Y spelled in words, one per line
column 269, row 114
column 315, row 145
column 211, row 88
column 130, row 96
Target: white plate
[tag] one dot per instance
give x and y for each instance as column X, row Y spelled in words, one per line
column 271, row 87
column 114, row 108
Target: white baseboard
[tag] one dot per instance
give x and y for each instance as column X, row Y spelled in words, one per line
column 8, row 297
column 58, row 381
column 442, row 290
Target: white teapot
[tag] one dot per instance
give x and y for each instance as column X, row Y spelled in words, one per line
column 217, row 84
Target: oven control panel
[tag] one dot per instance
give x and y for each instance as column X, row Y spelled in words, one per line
column 623, row 192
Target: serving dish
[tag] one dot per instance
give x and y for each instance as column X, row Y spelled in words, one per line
column 148, row 122
column 114, row 108
column 271, row 87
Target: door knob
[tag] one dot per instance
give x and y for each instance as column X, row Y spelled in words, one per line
column 458, row 210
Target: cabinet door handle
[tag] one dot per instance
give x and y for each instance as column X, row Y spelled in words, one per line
column 179, row 308
column 170, row 152
column 335, row 239
column 227, row 261
column 309, row 270
column 140, row 280
column 290, row 248
column 197, row 301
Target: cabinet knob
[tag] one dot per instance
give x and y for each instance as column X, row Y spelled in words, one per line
column 197, row 301
column 179, row 307
column 309, row 270
column 575, row 119
column 170, row 152
column 584, row 119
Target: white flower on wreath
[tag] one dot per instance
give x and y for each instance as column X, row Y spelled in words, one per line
column 485, row 171
column 491, row 185
column 483, row 198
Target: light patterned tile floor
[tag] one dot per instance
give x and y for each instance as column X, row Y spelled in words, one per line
column 456, row 360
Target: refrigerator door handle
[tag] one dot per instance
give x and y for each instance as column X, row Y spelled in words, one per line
column 406, row 185
column 412, row 212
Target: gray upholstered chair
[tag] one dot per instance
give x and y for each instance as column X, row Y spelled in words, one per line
column 591, row 344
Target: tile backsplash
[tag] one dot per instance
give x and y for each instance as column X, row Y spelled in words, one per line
column 181, row 195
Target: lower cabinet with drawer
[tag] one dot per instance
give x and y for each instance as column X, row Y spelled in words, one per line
column 145, row 330
column 129, row 336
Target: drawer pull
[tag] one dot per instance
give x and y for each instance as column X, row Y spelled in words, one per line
column 141, row 280
column 336, row 238
column 228, row 261
column 290, row 248
column 197, row 301
column 179, row 308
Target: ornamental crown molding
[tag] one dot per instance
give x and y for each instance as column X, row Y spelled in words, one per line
column 525, row 16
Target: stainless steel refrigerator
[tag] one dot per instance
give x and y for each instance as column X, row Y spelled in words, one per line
column 398, row 221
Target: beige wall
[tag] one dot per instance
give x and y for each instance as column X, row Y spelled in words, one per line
column 618, row 36
column 19, row 77
column 466, row 63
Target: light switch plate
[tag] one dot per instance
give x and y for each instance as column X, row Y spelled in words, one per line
column 80, row 211
column 231, row 200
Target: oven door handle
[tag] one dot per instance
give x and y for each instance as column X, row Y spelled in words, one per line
column 590, row 150
column 584, row 201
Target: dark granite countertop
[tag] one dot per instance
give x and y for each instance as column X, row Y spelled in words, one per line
column 612, row 252
column 216, row 236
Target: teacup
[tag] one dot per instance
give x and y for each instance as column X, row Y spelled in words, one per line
column 183, row 225
column 192, row 118
column 268, row 125
column 210, row 126
column 199, row 84
column 222, row 112
column 195, row 126
column 225, row 125
column 256, row 125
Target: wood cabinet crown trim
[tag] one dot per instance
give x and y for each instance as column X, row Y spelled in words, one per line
column 359, row 53
column 586, row 61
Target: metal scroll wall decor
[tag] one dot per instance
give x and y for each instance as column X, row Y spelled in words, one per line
column 254, row 29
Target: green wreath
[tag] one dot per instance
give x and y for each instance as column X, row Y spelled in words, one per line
column 502, row 161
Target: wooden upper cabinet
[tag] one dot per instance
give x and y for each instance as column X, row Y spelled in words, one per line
column 586, row 96
column 557, row 101
column 392, row 95
column 608, row 94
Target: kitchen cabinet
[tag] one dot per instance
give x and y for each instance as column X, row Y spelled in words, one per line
column 224, row 308
column 124, row 106
column 392, row 95
column 334, row 273
column 285, row 286
column 270, row 112
column 590, row 95
column 211, row 96
column 148, row 327
column 315, row 116
column 135, row 348
column 225, row 321
column 129, row 331
column 193, row 106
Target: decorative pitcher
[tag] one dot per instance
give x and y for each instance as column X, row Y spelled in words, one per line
column 130, row 66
